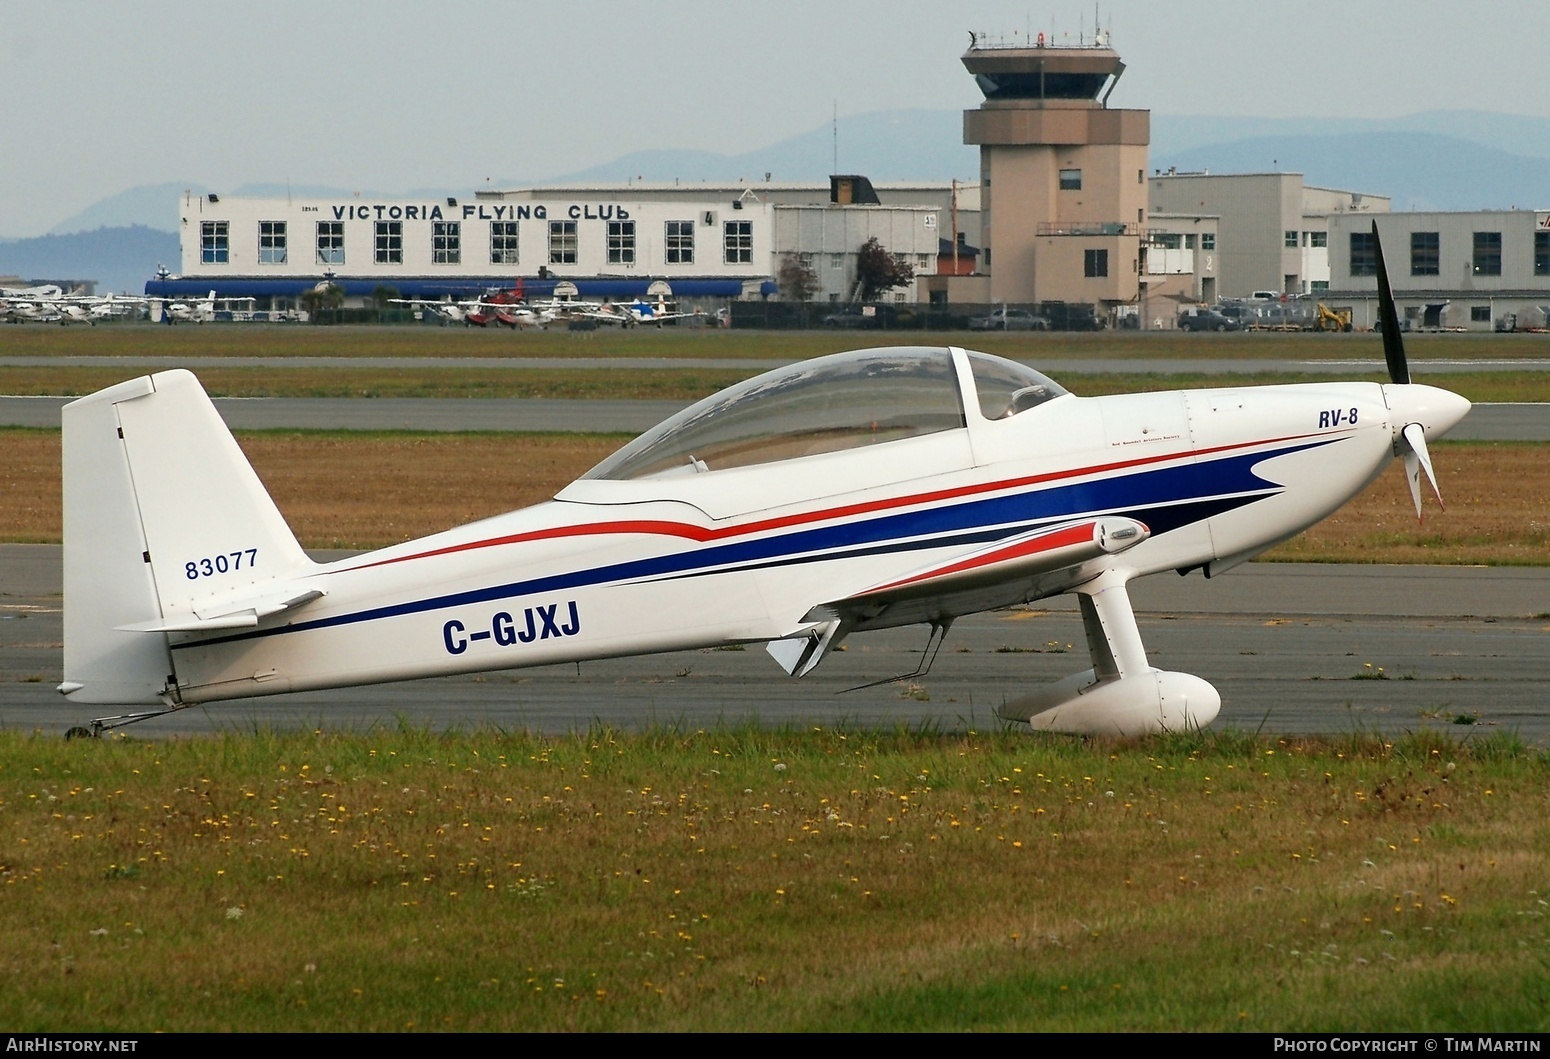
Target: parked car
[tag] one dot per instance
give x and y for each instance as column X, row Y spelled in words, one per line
column 851, row 317
column 1005, row 319
column 1207, row 320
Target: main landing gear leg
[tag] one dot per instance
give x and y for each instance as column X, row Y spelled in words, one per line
column 1122, row 694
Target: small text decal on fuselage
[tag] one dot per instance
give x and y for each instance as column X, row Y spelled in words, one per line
column 1337, row 417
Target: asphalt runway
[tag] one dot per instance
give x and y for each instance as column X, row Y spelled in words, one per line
column 1292, row 648
column 1485, row 422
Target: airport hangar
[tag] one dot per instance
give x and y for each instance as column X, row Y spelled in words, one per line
column 1056, row 215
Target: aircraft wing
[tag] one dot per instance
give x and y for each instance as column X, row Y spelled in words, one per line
column 998, row 574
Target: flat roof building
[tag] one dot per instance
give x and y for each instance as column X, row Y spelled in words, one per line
column 1478, row 270
column 1272, row 229
column 705, row 241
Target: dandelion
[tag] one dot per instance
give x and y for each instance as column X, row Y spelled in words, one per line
column 234, row 912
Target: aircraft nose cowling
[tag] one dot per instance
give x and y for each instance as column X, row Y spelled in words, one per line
column 1436, row 409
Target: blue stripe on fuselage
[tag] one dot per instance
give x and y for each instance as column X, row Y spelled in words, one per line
column 1153, row 491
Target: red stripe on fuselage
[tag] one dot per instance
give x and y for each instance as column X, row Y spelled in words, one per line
column 1044, row 543
column 703, row 534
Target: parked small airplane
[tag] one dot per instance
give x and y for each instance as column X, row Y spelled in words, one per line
column 859, row 491
column 634, row 313
column 168, row 311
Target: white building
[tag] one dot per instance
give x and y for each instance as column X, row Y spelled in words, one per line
column 705, row 241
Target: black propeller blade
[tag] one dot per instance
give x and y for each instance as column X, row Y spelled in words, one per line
column 1388, row 317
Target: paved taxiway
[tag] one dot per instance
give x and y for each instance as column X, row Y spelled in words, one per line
column 1485, row 422
column 1286, row 645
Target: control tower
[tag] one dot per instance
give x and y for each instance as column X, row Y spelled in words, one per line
column 1062, row 177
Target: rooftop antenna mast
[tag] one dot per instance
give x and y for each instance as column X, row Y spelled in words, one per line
column 836, row 128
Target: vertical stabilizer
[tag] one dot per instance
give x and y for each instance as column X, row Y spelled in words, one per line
column 163, row 517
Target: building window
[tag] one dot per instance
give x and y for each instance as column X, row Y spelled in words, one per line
column 446, row 242
column 1425, row 254
column 680, row 242
column 562, row 242
column 214, row 244
column 1318, row 286
column 1318, row 240
column 1189, row 241
column 503, row 242
column 1488, row 253
column 1364, row 262
column 1480, row 314
column 1095, row 263
column 836, row 260
column 330, row 242
column 390, row 242
column 1070, row 180
column 1291, row 240
column 1542, row 253
column 1168, row 240
column 737, row 242
column 271, row 242
column 621, row 242
column 1208, row 240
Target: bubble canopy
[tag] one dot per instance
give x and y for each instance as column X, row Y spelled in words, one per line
column 843, row 401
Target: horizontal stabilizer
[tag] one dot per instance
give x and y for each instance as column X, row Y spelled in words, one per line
column 230, row 614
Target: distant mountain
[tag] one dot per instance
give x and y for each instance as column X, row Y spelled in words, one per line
column 1517, row 134
column 1419, row 171
column 156, row 205
column 148, row 205
column 119, row 259
column 885, row 145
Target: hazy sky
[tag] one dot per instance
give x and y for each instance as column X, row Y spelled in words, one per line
column 103, row 95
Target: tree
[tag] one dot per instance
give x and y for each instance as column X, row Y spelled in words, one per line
column 877, row 270
column 796, row 279
column 383, row 297
column 325, row 297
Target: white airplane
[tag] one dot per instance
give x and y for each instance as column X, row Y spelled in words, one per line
column 164, row 310
column 43, row 292
column 634, row 313
column 18, row 311
column 859, row 491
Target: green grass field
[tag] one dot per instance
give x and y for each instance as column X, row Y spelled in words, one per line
column 772, row 880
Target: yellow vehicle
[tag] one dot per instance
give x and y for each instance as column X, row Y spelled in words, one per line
column 1327, row 319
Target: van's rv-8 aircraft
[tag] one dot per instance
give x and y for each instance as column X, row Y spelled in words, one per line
column 859, row 491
